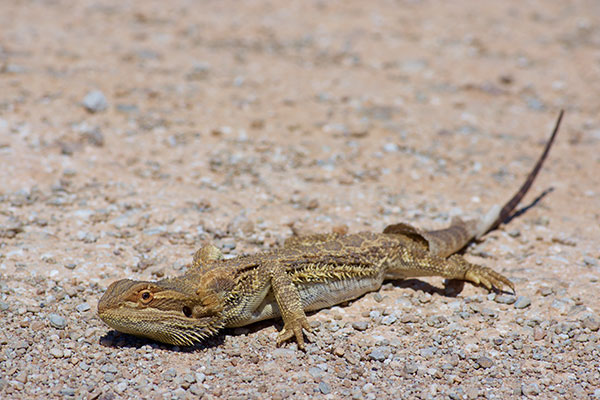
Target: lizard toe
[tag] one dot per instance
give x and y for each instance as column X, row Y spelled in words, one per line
column 294, row 329
column 284, row 336
column 487, row 277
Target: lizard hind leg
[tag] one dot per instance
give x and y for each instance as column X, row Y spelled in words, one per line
column 414, row 261
column 459, row 268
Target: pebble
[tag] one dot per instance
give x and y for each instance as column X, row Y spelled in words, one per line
column 324, row 387
column 514, row 233
column 360, row 325
column 379, row 353
column 535, row 104
column 411, row 368
column 562, row 306
column 22, row 377
column 67, row 392
column 522, row 302
column 582, row 338
column 390, row 147
column 4, row 306
column 505, row 299
column 316, row 373
column 197, row 390
column 590, row 261
column 93, row 136
column 127, row 108
column 109, row 368
column 531, row 389
column 57, row 321
column 200, row 377
column 228, row 243
column 488, row 312
column 410, row 318
column 428, row 352
column 56, row 352
column 284, row 352
column 189, row 377
column 170, row 374
column 485, row 362
column 312, row 204
column 591, row 322
column 95, row 101
column 83, row 307
column 86, row 237
column 121, row 387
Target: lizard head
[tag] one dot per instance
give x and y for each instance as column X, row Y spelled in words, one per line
column 168, row 311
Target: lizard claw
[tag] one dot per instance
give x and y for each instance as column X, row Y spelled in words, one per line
column 294, row 329
column 487, row 277
column 478, row 274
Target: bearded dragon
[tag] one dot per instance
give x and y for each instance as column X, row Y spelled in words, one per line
column 308, row 273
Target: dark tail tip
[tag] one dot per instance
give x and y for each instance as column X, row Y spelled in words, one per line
column 512, row 203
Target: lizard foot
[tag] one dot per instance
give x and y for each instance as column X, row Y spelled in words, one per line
column 487, row 277
column 292, row 329
column 481, row 275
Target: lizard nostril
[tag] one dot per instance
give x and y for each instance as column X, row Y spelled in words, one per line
column 187, row 311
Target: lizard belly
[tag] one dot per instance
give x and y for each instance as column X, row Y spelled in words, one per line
column 313, row 295
column 317, row 295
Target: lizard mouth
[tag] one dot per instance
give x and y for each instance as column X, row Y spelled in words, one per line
column 169, row 327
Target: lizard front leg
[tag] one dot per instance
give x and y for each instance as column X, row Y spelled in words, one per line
column 290, row 305
column 205, row 256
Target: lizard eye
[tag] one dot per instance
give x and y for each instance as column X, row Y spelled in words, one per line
column 187, row 311
column 146, row 296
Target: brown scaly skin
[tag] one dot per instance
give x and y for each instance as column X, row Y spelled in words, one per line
column 307, row 274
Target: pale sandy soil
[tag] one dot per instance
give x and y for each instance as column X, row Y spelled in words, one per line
column 243, row 122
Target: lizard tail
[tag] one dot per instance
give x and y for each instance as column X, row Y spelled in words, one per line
column 444, row 242
column 509, row 207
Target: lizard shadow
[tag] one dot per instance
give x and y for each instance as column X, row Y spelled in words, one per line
column 119, row 340
column 116, row 339
column 452, row 288
column 524, row 209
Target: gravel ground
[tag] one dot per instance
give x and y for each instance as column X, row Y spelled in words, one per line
column 133, row 132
